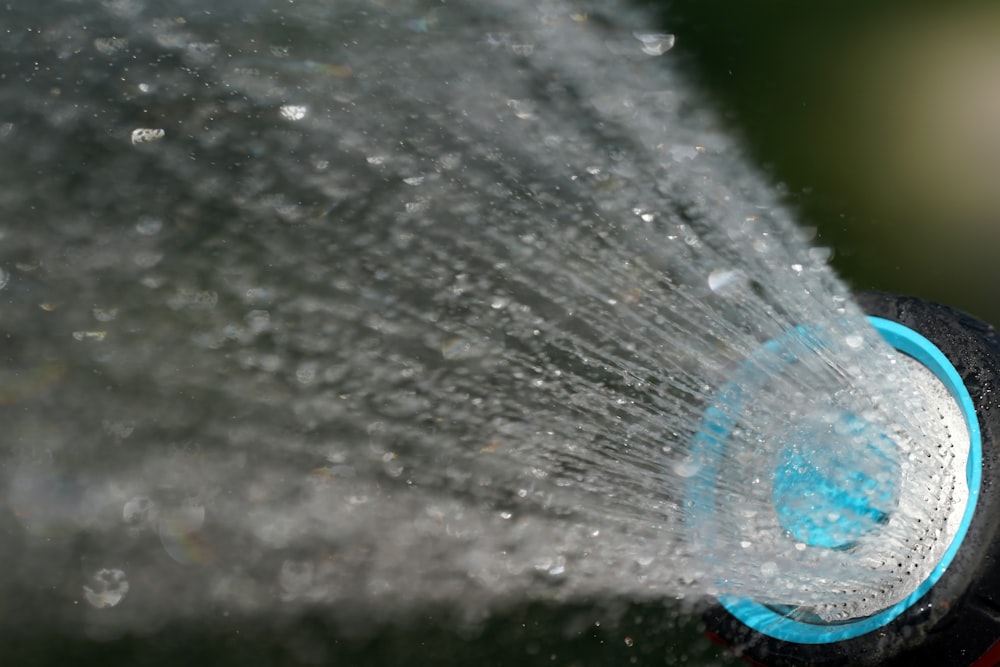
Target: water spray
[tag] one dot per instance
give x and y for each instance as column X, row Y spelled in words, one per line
column 365, row 309
column 947, row 617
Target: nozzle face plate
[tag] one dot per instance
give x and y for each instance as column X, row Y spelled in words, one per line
column 831, row 499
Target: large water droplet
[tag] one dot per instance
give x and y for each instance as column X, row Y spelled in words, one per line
column 720, row 279
column 293, row 112
column 655, row 43
column 146, row 135
column 106, row 588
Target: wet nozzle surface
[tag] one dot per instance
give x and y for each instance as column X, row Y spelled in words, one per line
column 849, row 497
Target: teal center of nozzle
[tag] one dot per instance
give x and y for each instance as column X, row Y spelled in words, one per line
column 830, row 495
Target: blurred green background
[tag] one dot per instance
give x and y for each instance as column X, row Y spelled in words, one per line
column 881, row 119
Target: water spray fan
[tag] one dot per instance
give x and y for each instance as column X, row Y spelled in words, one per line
column 828, row 500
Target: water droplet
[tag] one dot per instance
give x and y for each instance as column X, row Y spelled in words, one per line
column 522, row 109
column 721, row 278
column 293, row 111
column 259, row 296
column 854, row 341
column 450, row 161
column 149, row 225
column 145, row 135
column 179, row 531
column 186, row 297
column 655, row 43
column 104, row 314
column 109, row 46
column 139, row 511
column 106, row 588
column 464, row 348
column 96, row 336
column 797, row 268
column 391, row 464
column 306, row 372
column 200, row 53
column 258, row 321
column 119, row 430
column 820, row 254
column 687, row 467
column 414, row 180
column 146, row 259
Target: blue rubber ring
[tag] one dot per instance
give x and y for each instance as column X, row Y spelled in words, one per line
column 717, row 424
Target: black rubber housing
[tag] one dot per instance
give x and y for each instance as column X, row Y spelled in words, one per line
column 958, row 621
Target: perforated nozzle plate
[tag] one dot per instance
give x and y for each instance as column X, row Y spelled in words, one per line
column 938, row 448
column 937, row 499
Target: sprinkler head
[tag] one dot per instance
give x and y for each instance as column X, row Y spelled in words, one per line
column 951, row 617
